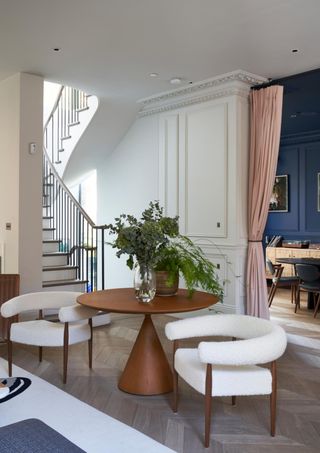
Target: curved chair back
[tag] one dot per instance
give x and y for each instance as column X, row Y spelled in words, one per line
column 270, row 266
column 264, row 340
column 38, row 301
column 307, row 272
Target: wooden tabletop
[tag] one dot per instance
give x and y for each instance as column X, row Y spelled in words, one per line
column 122, row 300
column 305, row 260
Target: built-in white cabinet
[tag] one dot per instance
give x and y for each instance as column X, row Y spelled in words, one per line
column 203, row 178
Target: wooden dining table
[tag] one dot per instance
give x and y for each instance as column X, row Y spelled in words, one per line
column 305, row 260
column 147, row 371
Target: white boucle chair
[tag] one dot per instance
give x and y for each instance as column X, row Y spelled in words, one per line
column 70, row 330
column 228, row 368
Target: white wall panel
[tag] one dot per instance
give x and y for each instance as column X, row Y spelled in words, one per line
column 204, row 175
column 169, row 164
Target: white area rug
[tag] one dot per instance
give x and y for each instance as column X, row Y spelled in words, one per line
column 83, row 425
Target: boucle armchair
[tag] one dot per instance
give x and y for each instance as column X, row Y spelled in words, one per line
column 70, row 329
column 228, row 368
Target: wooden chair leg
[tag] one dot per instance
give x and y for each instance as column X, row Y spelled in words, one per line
column 273, row 399
column 175, row 391
column 9, row 357
column 316, row 308
column 297, row 300
column 40, row 353
column 65, row 351
column 296, row 292
column 208, row 401
column 175, row 380
column 272, row 293
column 90, row 343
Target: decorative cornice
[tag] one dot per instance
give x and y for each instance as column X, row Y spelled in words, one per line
column 194, row 100
column 236, row 82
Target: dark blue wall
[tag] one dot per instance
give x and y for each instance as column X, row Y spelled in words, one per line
column 299, row 158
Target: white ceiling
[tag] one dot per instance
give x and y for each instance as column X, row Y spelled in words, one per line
column 110, row 46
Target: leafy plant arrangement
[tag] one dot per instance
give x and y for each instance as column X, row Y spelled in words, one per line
column 155, row 241
column 182, row 256
column 141, row 239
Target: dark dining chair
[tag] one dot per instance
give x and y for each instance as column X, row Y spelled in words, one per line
column 279, row 281
column 309, row 280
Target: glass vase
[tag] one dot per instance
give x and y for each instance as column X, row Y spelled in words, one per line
column 144, row 283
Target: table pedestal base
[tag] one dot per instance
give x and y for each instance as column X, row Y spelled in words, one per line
column 147, row 371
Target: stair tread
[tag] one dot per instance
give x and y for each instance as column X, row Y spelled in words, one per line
column 58, row 267
column 46, row 284
column 55, row 253
column 51, row 240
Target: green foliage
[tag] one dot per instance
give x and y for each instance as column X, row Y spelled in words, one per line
column 154, row 240
column 182, row 256
column 140, row 239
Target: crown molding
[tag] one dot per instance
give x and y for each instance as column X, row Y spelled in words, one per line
column 233, row 83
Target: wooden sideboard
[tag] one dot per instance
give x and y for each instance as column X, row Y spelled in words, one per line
column 273, row 253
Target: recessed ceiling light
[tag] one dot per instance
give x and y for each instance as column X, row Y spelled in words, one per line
column 176, row 80
column 294, row 50
column 56, row 49
column 153, row 74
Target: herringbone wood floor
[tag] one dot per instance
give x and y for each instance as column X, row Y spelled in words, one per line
column 240, row 429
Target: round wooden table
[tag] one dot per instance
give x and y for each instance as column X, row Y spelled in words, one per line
column 147, row 371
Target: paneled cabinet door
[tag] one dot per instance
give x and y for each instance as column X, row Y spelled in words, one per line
column 203, row 171
column 193, row 160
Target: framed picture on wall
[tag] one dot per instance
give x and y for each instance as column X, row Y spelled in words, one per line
column 279, row 199
column 318, row 192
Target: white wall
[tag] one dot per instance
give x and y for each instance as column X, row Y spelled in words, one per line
column 105, row 131
column 21, row 98
column 127, row 182
column 9, row 171
column 50, row 94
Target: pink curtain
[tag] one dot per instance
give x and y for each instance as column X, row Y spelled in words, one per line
column 266, row 111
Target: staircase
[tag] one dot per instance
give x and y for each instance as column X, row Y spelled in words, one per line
column 73, row 246
column 57, row 273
